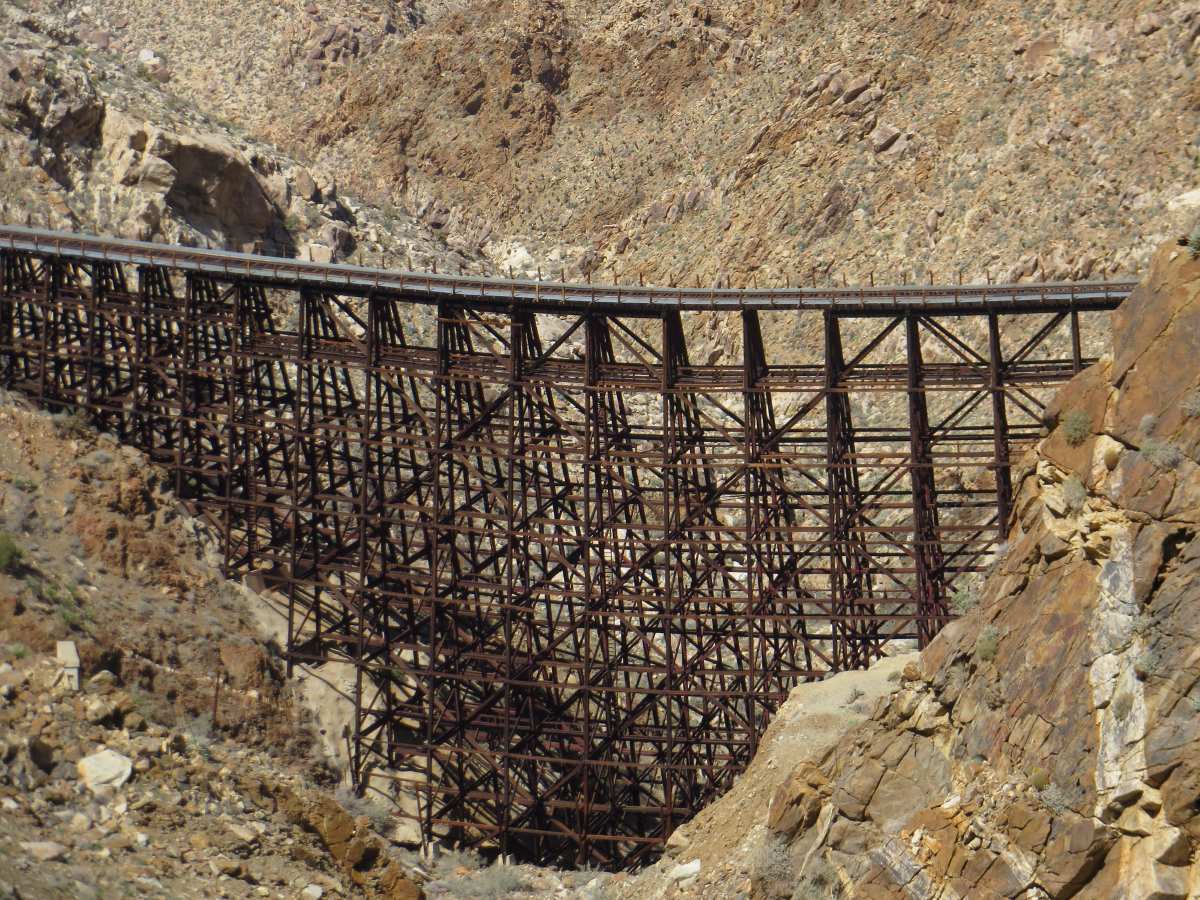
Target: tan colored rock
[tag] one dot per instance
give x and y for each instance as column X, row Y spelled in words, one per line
column 105, row 770
column 44, row 851
column 1074, row 854
column 883, row 137
column 853, row 791
column 798, row 801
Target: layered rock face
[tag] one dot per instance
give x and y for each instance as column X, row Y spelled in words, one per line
column 1049, row 741
column 1047, row 744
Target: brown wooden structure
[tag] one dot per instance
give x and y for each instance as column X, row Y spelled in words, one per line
column 574, row 568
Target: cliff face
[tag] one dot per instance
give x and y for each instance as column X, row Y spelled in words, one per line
column 1047, row 743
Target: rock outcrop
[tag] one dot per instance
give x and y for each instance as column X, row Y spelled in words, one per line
column 202, row 179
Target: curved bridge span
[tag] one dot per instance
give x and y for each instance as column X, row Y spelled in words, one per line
column 573, row 566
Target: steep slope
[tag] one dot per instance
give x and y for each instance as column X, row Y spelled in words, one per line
column 185, row 764
column 719, row 141
column 733, row 141
column 98, row 142
column 1048, row 743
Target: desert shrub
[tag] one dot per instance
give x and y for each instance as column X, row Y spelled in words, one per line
column 1146, row 664
column 1160, row 454
column 1074, row 493
column 1055, row 799
column 965, row 596
column 18, row 651
column 987, row 643
column 1148, row 423
column 493, row 883
column 1122, row 705
column 10, row 553
column 69, row 424
column 1076, row 425
column 361, row 807
column 452, row 860
column 1191, row 405
column 1193, row 242
column 1039, row 779
column 819, row 882
column 771, row 870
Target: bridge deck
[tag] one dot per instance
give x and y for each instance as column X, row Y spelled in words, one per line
column 426, row 287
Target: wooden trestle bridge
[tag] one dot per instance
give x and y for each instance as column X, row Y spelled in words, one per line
column 575, row 571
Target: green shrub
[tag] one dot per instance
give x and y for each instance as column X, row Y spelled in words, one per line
column 1039, row 778
column 10, row 553
column 1193, row 242
column 987, row 643
column 1191, row 405
column 1122, row 705
column 1146, row 664
column 1160, row 454
column 1077, row 426
column 1074, row 493
column 964, row 598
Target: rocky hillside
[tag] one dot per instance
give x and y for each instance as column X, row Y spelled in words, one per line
column 97, row 140
column 183, row 765
column 718, row 141
column 734, row 142
column 1047, row 744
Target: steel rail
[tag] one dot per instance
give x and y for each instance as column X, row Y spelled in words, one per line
column 551, row 296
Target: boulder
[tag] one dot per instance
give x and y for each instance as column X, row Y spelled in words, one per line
column 685, row 871
column 305, row 187
column 214, row 188
column 105, row 770
column 202, row 179
column 856, row 87
column 44, row 851
column 339, row 239
column 883, row 137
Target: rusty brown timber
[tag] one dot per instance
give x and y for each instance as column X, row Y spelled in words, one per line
column 574, row 571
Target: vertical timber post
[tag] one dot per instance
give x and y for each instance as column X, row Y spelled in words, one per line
column 999, row 427
column 754, row 368
column 926, row 548
column 1076, row 347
